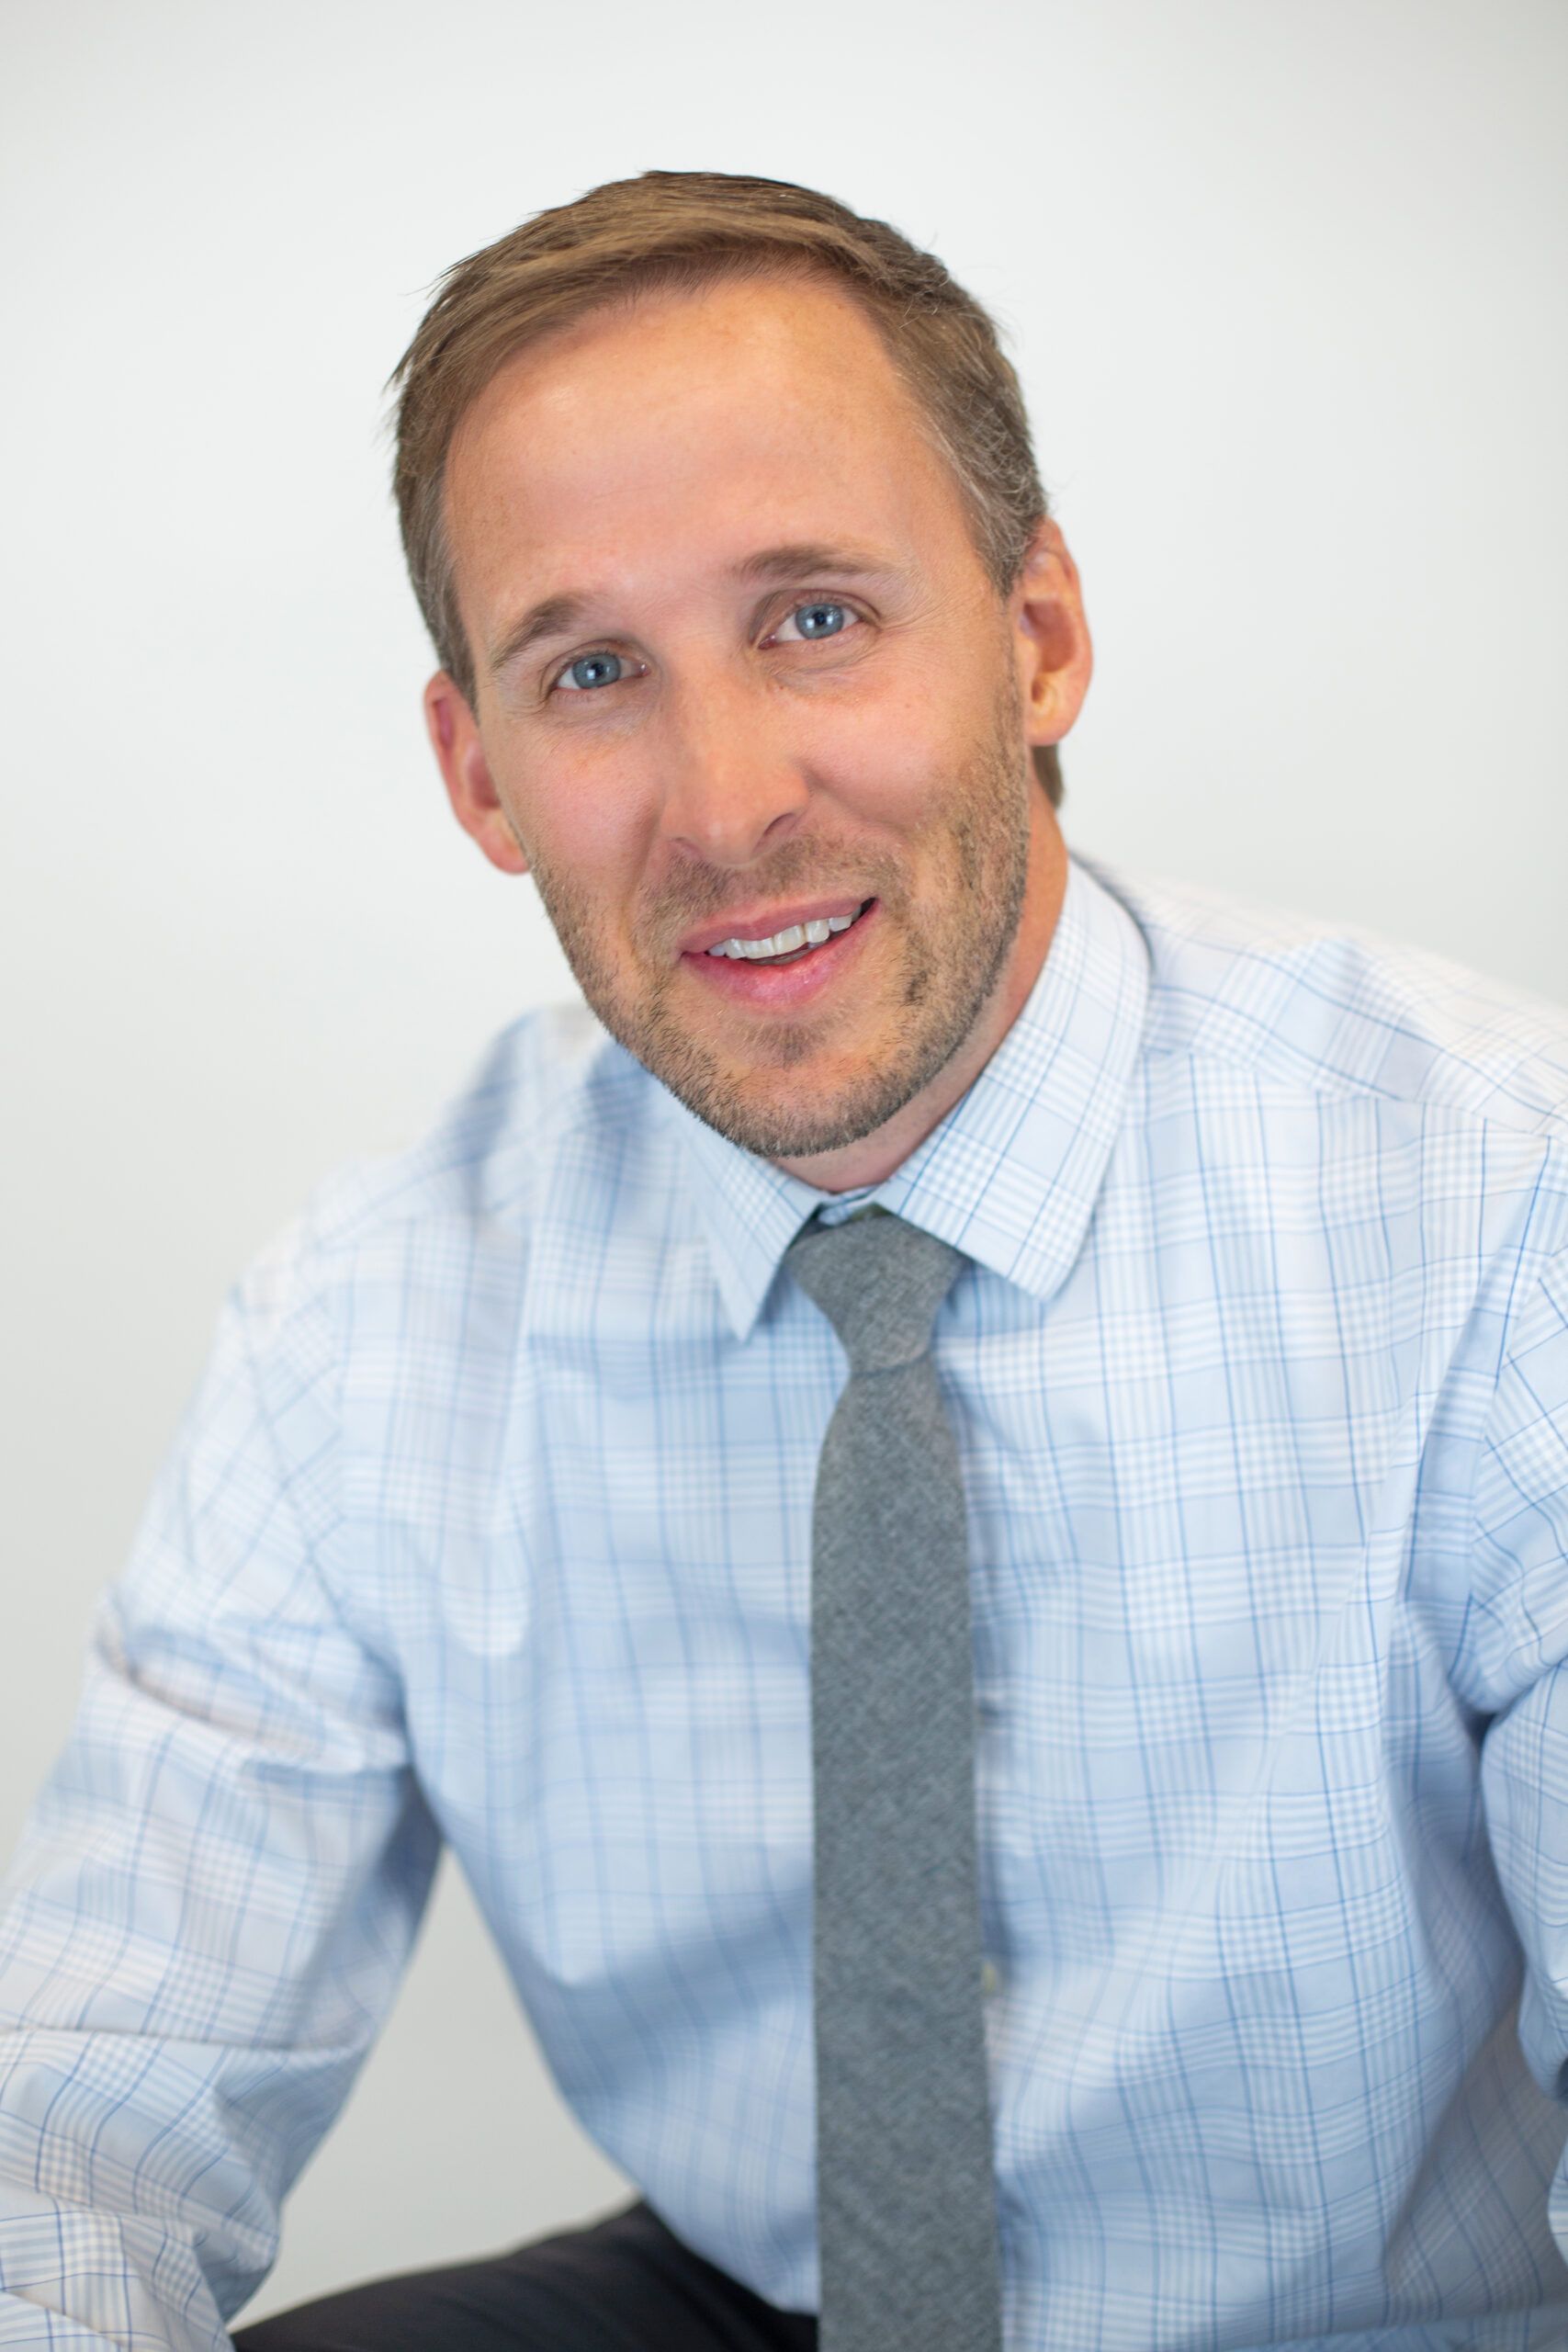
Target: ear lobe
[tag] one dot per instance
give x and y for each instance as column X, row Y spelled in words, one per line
column 1055, row 656
column 459, row 754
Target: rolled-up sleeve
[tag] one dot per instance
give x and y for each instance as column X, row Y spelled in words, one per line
column 219, row 1884
column 1521, row 1556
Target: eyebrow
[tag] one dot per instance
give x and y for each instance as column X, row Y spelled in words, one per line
column 555, row 616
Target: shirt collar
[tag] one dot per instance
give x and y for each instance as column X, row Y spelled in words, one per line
column 1011, row 1174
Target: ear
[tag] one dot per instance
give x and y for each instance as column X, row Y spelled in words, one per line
column 1050, row 638
column 476, row 804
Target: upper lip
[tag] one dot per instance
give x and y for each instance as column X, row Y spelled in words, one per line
column 768, row 924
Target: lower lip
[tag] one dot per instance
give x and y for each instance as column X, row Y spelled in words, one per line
column 779, row 987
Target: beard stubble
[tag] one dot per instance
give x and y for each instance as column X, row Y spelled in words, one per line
column 952, row 959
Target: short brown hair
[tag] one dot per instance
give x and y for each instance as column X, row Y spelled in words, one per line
column 685, row 230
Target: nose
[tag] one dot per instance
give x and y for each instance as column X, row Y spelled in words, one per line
column 732, row 789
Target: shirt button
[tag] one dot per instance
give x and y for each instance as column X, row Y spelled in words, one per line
column 990, row 1978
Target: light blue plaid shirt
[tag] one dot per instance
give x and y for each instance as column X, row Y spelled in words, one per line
column 491, row 1522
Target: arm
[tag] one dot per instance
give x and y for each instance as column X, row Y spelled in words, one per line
column 1522, row 1540
column 217, row 1889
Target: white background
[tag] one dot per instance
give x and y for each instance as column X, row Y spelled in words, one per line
column 1284, row 282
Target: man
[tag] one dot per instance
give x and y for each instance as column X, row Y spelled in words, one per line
column 509, row 1508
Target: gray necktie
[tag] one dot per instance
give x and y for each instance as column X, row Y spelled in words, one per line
column 905, row 2195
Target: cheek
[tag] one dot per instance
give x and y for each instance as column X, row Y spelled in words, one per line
column 579, row 819
column 883, row 755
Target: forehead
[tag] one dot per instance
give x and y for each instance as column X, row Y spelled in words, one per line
column 684, row 422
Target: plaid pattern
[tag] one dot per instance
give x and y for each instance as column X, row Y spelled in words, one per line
column 489, row 1523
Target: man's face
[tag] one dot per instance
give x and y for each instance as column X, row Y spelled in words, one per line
column 702, row 752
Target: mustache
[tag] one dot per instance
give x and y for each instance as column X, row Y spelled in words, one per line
column 799, row 870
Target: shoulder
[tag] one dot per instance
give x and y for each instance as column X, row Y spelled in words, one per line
column 551, row 1109
column 1345, row 1012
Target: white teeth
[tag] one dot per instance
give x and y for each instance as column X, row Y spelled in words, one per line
column 783, row 943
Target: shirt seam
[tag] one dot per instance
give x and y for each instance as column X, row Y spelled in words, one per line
column 1547, row 1127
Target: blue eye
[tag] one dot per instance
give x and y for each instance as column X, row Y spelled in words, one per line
column 819, row 620
column 569, row 677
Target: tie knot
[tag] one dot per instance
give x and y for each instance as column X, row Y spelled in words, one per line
column 878, row 1281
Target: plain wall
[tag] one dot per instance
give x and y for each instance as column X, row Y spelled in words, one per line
column 1284, row 286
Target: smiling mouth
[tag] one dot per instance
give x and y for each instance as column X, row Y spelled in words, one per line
column 803, row 940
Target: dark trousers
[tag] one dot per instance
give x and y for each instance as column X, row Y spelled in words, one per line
column 624, row 2284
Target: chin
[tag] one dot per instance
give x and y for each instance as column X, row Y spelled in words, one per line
column 792, row 1122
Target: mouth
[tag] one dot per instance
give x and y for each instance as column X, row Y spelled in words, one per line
column 792, row 976
column 764, row 937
